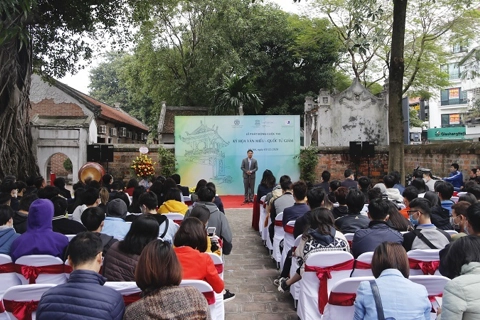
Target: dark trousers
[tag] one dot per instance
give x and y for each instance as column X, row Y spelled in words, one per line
column 249, row 185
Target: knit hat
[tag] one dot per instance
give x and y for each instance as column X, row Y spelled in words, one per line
column 117, row 208
column 382, row 187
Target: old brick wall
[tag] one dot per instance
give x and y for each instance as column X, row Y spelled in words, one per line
column 48, row 107
column 437, row 157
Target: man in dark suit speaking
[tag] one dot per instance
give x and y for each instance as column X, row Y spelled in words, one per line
column 249, row 167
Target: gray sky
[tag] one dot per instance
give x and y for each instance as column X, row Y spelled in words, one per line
column 80, row 80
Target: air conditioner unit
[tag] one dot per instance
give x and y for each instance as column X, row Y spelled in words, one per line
column 122, row 132
column 102, row 129
column 113, row 132
column 129, row 134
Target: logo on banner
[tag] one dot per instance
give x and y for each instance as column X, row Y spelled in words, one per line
column 288, row 122
column 257, row 122
column 236, row 122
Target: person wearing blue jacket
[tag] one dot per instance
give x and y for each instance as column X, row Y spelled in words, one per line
column 455, row 178
column 7, row 232
column 401, row 298
column 83, row 296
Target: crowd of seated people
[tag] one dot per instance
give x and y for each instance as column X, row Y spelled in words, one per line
column 390, row 225
column 113, row 235
column 39, row 227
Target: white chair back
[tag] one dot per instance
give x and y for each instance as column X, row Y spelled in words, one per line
column 217, row 308
column 175, row 216
column 434, row 285
column 128, row 289
column 342, row 297
column 218, row 262
column 288, row 240
column 423, row 262
column 50, row 269
column 263, row 216
column 454, row 199
column 29, row 295
column 8, row 277
column 349, row 237
column 279, row 234
column 295, row 288
column 311, row 286
column 451, row 232
column 363, row 265
column 70, row 236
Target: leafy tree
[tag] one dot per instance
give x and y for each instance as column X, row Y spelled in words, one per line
column 47, row 37
column 236, row 92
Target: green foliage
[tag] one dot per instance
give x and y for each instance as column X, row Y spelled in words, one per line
column 308, row 160
column 67, row 165
column 415, row 121
column 235, row 92
column 167, row 162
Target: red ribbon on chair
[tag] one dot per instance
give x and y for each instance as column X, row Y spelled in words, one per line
column 2, row 309
column 131, row 298
column 7, row 268
column 288, row 229
column 325, row 273
column 255, row 213
column 362, row 265
column 179, row 222
column 219, row 267
column 210, row 296
column 342, row 299
column 427, row 267
column 31, row 273
column 22, row 310
column 432, row 300
column 278, row 223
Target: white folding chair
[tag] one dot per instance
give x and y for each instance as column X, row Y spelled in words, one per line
column 295, row 288
column 187, row 200
column 263, row 216
column 363, row 265
column 434, row 285
column 454, row 199
column 8, row 278
column 423, row 262
column 175, row 216
column 40, row 268
column 217, row 308
column 288, row 241
column 342, row 297
column 128, row 289
column 312, row 290
column 451, row 232
column 19, row 298
column 279, row 233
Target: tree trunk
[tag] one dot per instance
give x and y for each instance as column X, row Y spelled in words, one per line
column 395, row 117
column 16, row 153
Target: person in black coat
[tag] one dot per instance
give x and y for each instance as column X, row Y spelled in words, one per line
column 60, row 222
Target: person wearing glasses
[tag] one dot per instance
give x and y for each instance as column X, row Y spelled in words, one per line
column 83, row 296
column 425, row 235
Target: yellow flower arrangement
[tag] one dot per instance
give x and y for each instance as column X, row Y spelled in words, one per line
column 143, row 166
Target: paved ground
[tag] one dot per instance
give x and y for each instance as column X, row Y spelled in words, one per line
column 249, row 273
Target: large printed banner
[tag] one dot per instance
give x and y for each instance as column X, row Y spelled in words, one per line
column 212, row 148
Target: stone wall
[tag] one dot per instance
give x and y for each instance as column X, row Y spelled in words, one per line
column 437, row 157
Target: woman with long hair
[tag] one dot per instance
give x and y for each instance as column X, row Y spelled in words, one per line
column 122, row 257
column 401, row 298
column 158, row 275
column 320, row 236
column 396, row 220
column 266, row 185
column 190, row 246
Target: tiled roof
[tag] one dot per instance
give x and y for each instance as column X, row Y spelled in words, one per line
column 101, row 109
column 169, row 124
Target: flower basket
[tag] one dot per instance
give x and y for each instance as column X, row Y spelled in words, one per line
column 143, row 166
